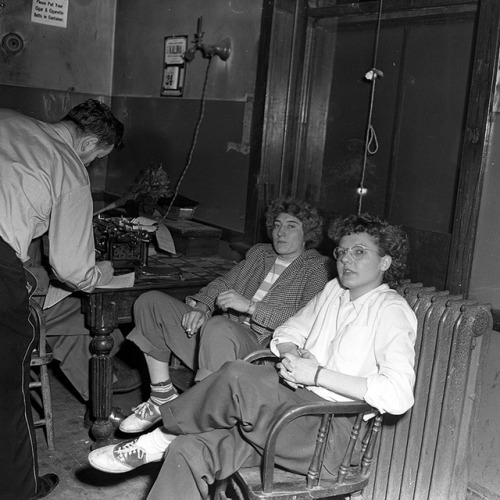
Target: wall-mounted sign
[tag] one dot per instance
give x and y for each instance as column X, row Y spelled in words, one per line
column 174, row 66
column 52, row 12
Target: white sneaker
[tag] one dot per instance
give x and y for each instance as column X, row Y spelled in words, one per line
column 122, row 457
column 145, row 416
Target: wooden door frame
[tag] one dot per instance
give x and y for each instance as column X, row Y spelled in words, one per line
column 275, row 111
column 474, row 146
column 275, row 152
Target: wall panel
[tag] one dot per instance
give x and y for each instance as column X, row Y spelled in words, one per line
column 77, row 58
column 161, row 129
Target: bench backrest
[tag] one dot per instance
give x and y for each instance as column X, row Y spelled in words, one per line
column 423, row 454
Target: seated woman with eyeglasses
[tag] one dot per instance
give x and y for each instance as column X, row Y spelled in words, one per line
column 354, row 340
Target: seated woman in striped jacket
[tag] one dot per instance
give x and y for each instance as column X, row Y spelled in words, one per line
column 236, row 313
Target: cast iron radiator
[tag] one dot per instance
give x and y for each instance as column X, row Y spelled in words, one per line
column 424, row 454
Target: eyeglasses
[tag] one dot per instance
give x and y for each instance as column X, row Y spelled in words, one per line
column 357, row 252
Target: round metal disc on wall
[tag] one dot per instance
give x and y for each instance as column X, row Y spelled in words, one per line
column 12, row 43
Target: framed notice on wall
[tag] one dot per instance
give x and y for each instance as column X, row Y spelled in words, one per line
column 174, row 66
column 51, row 12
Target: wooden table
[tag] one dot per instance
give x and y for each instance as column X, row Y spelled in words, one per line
column 105, row 309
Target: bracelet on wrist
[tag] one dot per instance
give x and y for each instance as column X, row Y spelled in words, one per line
column 316, row 375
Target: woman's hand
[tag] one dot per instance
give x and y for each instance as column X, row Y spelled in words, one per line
column 285, row 347
column 193, row 320
column 231, row 299
column 298, row 370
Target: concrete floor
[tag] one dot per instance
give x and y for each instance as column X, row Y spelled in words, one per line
column 78, row 480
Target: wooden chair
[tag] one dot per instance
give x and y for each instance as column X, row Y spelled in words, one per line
column 424, row 453
column 270, row 482
column 40, row 358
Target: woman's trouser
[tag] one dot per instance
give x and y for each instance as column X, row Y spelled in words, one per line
column 158, row 332
column 222, row 425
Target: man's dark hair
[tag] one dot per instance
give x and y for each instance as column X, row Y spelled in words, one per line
column 312, row 222
column 390, row 239
column 93, row 117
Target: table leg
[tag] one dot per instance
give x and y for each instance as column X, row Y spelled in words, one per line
column 101, row 375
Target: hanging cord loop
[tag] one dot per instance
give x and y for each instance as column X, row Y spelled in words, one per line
column 371, row 141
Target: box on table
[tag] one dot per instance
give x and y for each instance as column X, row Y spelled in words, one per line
column 194, row 239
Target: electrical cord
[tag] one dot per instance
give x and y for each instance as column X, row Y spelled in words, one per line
column 195, row 140
column 371, row 141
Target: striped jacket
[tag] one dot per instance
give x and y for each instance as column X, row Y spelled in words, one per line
column 298, row 283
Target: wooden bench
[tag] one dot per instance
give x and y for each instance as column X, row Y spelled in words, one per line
column 424, row 453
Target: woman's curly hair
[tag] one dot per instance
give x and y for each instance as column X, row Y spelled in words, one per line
column 391, row 240
column 312, row 221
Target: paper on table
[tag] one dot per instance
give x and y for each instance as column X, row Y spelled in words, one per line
column 56, row 294
column 145, row 223
column 121, row 281
column 164, row 238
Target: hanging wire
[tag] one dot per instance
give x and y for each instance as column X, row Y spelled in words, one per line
column 371, row 141
column 195, row 140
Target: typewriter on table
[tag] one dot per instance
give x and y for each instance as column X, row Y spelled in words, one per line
column 122, row 241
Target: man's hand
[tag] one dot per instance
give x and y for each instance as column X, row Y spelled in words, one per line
column 107, row 271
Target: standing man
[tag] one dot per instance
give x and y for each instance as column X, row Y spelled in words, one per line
column 44, row 186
